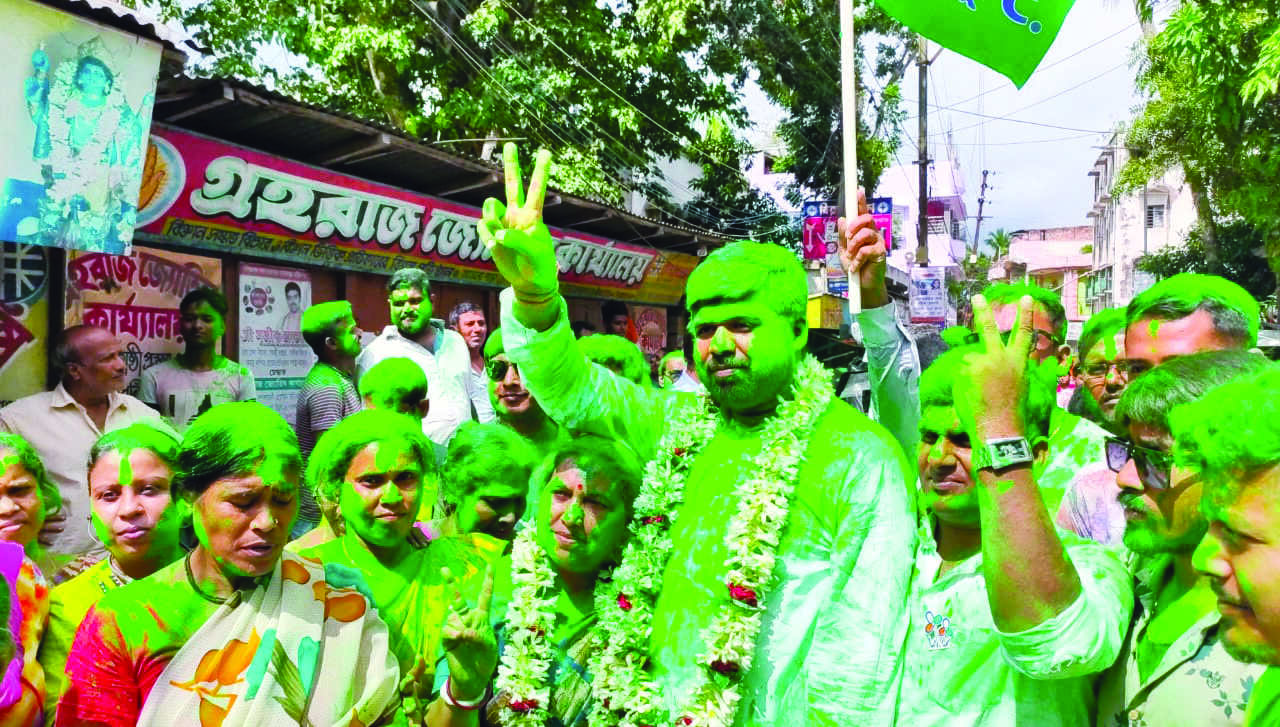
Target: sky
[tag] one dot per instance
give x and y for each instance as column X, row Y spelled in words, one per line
column 1039, row 175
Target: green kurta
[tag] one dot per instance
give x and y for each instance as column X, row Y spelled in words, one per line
column 830, row 648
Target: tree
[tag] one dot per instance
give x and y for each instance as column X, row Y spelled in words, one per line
column 1238, row 258
column 582, row 78
column 1211, row 78
column 999, row 241
column 726, row 201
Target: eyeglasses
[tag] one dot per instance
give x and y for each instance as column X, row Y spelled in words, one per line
column 496, row 368
column 1155, row 468
column 1098, row 369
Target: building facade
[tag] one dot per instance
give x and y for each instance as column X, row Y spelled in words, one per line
column 1130, row 226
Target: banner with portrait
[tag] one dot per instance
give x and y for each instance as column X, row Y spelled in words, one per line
column 136, row 297
column 77, row 112
column 271, row 302
column 24, row 320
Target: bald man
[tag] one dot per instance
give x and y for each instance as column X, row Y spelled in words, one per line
column 64, row 423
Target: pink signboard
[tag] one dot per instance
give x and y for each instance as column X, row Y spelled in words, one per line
column 211, row 195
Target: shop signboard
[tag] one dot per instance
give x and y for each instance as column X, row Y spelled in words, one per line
column 271, row 301
column 136, row 297
column 24, row 319
column 210, row 195
column 78, row 98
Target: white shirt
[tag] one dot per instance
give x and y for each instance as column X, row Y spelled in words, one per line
column 62, row 433
column 961, row 670
column 448, row 372
column 480, row 397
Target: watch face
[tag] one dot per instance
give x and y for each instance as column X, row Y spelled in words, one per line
column 1005, row 452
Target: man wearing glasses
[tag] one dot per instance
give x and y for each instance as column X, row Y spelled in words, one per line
column 1102, row 372
column 514, row 406
column 1173, row 669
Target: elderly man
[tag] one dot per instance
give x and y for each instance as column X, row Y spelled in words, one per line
column 441, row 353
column 778, row 470
column 467, row 319
column 63, row 424
column 1174, row 669
column 1010, row 618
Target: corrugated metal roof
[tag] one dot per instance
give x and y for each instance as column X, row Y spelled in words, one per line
column 137, row 21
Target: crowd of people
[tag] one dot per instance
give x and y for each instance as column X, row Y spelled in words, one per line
column 530, row 524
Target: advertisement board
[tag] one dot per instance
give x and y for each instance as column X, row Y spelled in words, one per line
column 271, row 301
column 24, row 319
column 211, row 195
column 929, row 295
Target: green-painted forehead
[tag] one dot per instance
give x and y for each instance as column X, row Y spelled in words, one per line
column 939, row 418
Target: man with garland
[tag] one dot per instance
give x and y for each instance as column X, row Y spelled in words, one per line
column 766, row 583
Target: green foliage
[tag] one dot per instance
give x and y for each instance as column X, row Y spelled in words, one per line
column 999, row 241
column 1211, row 77
column 726, row 201
column 974, row 281
column 1239, row 245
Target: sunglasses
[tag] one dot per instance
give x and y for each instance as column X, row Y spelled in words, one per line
column 496, row 368
column 1155, row 468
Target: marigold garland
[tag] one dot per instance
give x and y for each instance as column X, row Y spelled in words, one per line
column 625, row 694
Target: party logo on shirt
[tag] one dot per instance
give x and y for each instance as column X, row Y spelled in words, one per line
column 937, row 629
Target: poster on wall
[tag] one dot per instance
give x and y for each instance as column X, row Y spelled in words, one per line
column 136, row 297
column 76, row 118
column 271, row 302
column 820, row 235
column 651, row 325
column 207, row 194
column 24, row 320
column 929, row 295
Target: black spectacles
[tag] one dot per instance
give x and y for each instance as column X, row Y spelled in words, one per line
column 496, row 368
column 1155, row 468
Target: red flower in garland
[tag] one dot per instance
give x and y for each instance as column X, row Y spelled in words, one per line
column 624, row 603
column 653, row 520
column 686, row 720
column 679, row 451
column 523, row 705
column 728, row 668
column 743, row 595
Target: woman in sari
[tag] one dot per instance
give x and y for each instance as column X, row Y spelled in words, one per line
column 27, row 497
column 237, row 633
column 587, row 486
column 373, row 464
column 137, row 519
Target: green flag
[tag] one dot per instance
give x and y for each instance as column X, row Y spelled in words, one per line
column 1007, row 36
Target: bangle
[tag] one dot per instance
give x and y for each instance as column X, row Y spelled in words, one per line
column 465, row 705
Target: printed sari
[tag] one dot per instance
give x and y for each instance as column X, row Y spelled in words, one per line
column 155, row 653
column 22, row 691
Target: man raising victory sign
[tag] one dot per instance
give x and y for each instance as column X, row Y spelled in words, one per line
column 766, row 579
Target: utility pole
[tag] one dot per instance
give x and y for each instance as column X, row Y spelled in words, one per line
column 922, row 233
column 982, row 199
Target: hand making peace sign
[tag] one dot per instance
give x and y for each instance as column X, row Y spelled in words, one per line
column 469, row 643
column 515, row 235
column 990, row 392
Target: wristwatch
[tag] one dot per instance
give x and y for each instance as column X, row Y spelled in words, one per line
column 999, row 453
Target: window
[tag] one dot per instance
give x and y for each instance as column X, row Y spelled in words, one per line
column 769, row 161
column 1155, row 216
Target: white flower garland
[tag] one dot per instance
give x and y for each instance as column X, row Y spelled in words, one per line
column 625, row 694
column 526, row 658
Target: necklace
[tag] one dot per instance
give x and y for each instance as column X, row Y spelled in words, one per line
column 191, row 578
column 625, row 692
column 526, row 658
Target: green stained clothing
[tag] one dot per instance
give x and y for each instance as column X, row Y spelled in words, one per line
column 1195, row 682
column 1264, row 703
column 411, row 597
column 68, row 604
column 829, row 651
column 962, row 670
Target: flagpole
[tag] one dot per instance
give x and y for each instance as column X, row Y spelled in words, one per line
column 849, row 121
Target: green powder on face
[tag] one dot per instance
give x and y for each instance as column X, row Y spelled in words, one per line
column 125, row 470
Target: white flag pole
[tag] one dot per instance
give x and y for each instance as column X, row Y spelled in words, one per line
column 849, row 108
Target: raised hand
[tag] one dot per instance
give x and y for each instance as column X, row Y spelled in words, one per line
column 415, row 693
column 469, row 643
column 990, row 391
column 515, row 234
column 863, row 251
